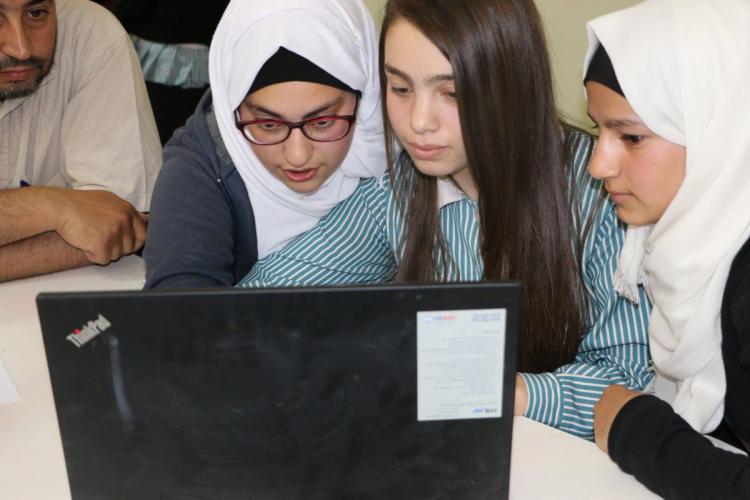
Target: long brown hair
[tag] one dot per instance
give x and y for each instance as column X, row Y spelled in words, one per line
column 515, row 148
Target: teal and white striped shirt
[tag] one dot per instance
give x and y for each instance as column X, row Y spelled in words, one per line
column 357, row 241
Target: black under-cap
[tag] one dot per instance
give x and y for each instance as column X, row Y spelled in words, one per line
column 287, row 66
column 601, row 71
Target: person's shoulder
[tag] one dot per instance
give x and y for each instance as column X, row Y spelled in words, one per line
column 196, row 130
column 371, row 190
column 577, row 135
column 79, row 11
column 368, row 201
column 741, row 264
column 737, row 288
column 199, row 140
column 194, row 146
column 87, row 27
column 579, row 146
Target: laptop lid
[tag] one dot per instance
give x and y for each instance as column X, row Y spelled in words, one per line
column 344, row 393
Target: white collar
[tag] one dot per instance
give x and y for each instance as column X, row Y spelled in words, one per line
column 448, row 192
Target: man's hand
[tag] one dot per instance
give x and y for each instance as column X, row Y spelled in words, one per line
column 613, row 399
column 100, row 224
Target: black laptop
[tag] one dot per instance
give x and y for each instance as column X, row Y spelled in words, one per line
column 385, row 392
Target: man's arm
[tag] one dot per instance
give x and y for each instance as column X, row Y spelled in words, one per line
column 44, row 229
column 41, row 254
column 25, row 212
column 28, row 244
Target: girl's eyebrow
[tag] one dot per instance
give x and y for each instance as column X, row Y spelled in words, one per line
column 264, row 111
column 622, row 122
column 618, row 122
column 430, row 81
column 324, row 107
column 440, row 78
column 310, row 114
column 397, row 72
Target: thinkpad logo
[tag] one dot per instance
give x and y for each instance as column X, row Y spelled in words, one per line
column 89, row 331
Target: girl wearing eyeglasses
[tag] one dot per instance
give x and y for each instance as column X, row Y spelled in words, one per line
column 291, row 125
column 487, row 184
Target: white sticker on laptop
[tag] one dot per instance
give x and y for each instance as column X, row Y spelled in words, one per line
column 460, row 360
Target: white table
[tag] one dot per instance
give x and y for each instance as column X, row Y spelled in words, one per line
column 546, row 463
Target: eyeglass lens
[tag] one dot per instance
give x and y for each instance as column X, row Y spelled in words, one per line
column 327, row 129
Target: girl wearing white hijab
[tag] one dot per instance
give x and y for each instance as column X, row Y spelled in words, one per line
column 674, row 153
column 271, row 65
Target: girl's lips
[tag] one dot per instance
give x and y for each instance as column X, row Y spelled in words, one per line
column 619, row 197
column 425, row 152
column 300, row 175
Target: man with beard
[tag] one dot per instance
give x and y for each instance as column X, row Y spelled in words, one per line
column 79, row 150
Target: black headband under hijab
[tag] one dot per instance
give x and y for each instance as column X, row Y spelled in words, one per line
column 601, row 71
column 286, row 66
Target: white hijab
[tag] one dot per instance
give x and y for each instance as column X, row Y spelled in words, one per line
column 684, row 66
column 338, row 36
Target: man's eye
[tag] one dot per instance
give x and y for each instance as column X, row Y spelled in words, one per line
column 37, row 13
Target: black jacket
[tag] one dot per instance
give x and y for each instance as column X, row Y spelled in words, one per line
column 201, row 231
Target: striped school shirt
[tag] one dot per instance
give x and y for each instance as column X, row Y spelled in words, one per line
column 357, row 242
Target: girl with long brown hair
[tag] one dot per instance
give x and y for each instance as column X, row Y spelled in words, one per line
column 486, row 183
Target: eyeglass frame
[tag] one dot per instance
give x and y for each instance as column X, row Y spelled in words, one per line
column 294, row 125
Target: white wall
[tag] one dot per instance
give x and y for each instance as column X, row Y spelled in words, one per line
column 565, row 22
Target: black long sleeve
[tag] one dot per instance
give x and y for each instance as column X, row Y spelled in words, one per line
column 735, row 345
column 651, row 442
column 661, row 450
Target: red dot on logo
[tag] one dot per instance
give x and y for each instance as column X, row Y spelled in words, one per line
column 76, row 331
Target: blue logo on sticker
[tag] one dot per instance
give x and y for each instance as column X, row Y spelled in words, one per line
column 487, row 411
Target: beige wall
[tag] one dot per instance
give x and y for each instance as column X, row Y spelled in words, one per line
column 565, row 21
column 376, row 7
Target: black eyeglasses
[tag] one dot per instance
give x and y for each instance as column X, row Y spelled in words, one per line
column 319, row 129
